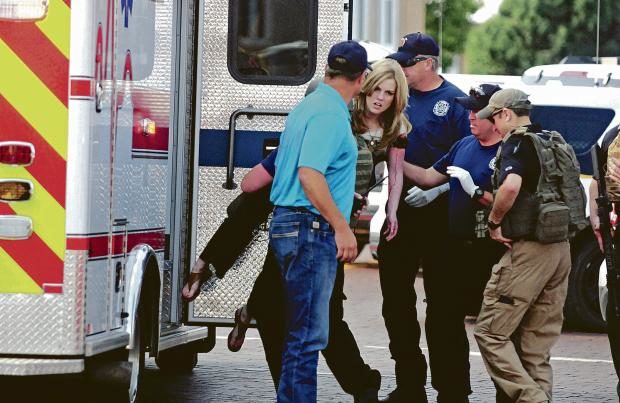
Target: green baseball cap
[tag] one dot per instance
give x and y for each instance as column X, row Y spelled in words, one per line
column 510, row 98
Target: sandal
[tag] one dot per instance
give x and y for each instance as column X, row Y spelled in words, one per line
column 196, row 279
column 236, row 337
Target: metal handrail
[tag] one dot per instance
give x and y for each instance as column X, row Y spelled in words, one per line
column 250, row 112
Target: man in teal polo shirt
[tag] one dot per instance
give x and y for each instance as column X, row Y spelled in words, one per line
column 313, row 193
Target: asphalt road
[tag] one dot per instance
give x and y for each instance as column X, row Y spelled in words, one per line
column 581, row 361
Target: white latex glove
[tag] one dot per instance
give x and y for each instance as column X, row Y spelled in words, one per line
column 417, row 197
column 467, row 183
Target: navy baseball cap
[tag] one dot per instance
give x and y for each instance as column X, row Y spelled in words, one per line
column 478, row 96
column 348, row 57
column 412, row 45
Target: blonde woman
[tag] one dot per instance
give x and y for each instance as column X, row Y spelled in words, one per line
column 381, row 128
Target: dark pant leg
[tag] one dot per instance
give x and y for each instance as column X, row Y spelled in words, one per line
column 342, row 353
column 448, row 346
column 613, row 332
column 478, row 257
column 266, row 305
column 398, row 266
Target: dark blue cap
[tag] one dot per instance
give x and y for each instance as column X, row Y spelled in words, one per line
column 412, row 45
column 478, row 96
column 348, row 57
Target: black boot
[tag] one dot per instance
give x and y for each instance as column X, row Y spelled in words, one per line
column 370, row 393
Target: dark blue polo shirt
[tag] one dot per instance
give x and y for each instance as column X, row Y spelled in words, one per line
column 479, row 161
column 438, row 122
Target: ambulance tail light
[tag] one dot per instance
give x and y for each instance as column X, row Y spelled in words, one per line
column 23, row 10
column 15, row 228
column 12, row 190
column 16, row 153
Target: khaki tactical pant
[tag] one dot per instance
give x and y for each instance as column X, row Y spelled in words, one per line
column 521, row 318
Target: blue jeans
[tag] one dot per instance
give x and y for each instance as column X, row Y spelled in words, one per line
column 305, row 249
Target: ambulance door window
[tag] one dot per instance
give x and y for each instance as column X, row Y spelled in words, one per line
column 580, row 127
column 272, row 41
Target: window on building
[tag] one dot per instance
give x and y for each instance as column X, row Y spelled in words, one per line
column 272, row 41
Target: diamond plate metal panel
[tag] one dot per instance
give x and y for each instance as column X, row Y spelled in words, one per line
column 38, row 366
column 230, row 94
column 140, row 194
column 220, row 298
column 166, row 295
column 48, row 324
column 97, row 296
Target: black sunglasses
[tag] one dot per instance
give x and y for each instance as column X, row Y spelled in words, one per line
column 477, row 93
column 413, row 61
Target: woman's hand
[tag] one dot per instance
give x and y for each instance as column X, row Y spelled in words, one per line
column 392, row 227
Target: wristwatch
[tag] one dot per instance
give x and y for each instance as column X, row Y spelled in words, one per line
column 478, row 194
column 493, row 225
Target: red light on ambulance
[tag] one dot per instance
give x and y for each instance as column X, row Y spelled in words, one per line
column 12, row 190
column 16, row 153
column 23, row 10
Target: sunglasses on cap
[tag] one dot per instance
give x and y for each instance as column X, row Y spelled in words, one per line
column 477, row 93
column 413, row 61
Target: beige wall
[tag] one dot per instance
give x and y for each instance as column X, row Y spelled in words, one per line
column 408, row 16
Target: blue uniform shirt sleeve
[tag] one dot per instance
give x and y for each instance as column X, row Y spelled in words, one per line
column 444, row 162
column 269, row 163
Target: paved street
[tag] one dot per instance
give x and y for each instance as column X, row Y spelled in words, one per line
column 582, row 364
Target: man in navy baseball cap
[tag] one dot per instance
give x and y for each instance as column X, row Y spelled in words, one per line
column 478, row 97
column 348, row 57
column 415, row 48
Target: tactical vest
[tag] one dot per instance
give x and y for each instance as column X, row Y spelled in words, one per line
column 556, row 210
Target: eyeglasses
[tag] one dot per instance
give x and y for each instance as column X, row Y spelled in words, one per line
column 414, row 60
column 497, row 112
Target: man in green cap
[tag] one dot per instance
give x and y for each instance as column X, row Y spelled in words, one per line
column 521, row 316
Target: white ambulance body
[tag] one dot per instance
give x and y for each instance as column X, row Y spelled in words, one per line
column 120, row 135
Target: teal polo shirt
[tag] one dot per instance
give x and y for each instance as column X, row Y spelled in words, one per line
column 317, row 135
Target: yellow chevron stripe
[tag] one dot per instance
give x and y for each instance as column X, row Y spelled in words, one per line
column 33, row 100
column 56, row 26
column 48, row 217
column 13, row 279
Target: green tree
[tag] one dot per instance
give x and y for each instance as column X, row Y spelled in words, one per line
column 455, row 22
column 532, row 32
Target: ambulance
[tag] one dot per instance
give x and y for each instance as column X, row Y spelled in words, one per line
column 125, row 126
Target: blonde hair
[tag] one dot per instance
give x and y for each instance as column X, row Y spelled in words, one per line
column 394, row 117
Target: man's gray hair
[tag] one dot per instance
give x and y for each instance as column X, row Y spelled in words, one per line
column 434, row 61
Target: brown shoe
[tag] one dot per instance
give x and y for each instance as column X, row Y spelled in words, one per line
column 236, row 337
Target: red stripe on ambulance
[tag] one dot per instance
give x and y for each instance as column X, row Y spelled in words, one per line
column 40, row 55
column 34, row 257
column 48, row 166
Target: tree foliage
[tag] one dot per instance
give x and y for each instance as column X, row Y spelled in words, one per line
column 455, row 24
column 532, row 32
